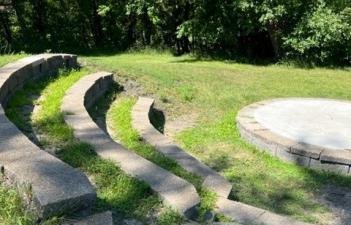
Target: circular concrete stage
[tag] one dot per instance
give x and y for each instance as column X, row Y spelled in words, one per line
column 315, row 133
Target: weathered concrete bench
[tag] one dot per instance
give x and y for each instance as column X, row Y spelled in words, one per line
column 52, row 186
column 239, row 212
column 141, row 122
column 175, row 192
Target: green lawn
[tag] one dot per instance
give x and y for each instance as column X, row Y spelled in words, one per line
column 12, row 211
column 215, row 91
column 118, row 117
column 212, row 92
column 4, row 59
column 125, row 196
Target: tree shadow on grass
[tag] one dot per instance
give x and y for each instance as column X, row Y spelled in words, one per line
column 21, row 103
column 281, row 198
column 144, row 150
column 213, row 57
column 116, row 190
column 126, row 196
column 299, row 64
column 195, row 59
column 98, row 111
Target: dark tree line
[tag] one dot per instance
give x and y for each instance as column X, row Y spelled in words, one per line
column 314, row 30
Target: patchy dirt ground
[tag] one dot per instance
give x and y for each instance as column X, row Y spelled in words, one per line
column 130, row 86
column 177, row 125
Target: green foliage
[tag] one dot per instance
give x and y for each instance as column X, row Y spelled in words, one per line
column 323, row 36
column 208, row 203
column 187, row 93
column 257, row 29
column 169, row 217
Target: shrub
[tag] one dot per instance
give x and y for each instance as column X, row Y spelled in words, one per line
column 323, row 37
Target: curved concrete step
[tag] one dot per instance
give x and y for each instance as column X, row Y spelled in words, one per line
column 248, row 215
column 175, row 191
column 239, row 212
column 52, row 186
column 163, row 144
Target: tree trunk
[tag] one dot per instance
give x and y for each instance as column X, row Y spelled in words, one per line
column 274, row 39
column 131, row 29
column 147, row 27
column 96, row 23
column 39, row 8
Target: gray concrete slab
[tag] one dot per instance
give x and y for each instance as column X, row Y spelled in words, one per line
column 175, row 192
column 310, row 132
column 324, row 123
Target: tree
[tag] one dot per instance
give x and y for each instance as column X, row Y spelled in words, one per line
column 257, row 29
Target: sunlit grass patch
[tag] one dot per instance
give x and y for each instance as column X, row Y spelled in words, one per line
column 118, row 117
column 216, row 90
column 4, row 59
column 13, row 210
column 124, row 195
column 258, row 178
column 115, row 189
column 49, row 120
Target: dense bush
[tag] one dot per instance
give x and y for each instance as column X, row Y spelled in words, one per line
column 317, row 30
column 322, row 36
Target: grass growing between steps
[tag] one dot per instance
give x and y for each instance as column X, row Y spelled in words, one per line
column 14, row 210
column 215, row 91
column 119, row 122
column 125, row 196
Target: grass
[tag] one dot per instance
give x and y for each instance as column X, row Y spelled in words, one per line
column 13, row 210
column 120, row 121
column 215, row 91
column 118, row 116
column 125, row 196
column 4, row 59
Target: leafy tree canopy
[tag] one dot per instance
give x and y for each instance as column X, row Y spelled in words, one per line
column 314, row 30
